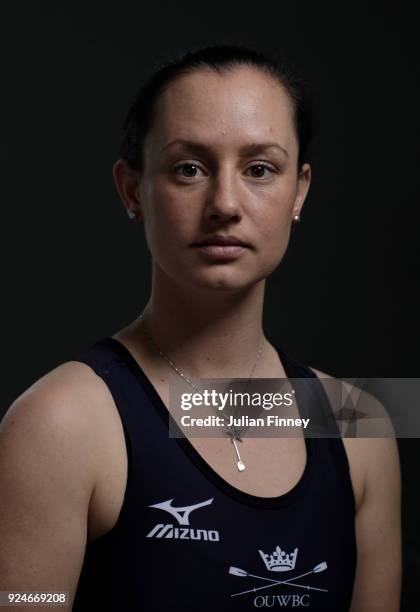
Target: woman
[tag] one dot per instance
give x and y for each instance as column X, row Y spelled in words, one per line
column 213, row 164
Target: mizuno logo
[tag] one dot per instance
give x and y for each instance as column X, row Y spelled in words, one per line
column 182, row 533
column 181, row 513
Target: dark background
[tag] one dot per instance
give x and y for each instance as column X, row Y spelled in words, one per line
column 75, row 269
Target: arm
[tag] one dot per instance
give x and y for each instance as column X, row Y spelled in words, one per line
column 378, row 530
column 47, row 476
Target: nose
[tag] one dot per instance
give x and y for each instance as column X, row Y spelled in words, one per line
column 224, row 197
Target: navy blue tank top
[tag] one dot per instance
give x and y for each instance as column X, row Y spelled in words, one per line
column 186, row 539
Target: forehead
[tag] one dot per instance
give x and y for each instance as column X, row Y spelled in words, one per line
column 232, row 108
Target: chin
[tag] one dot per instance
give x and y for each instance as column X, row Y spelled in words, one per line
column 223, row 281
column 223, row 278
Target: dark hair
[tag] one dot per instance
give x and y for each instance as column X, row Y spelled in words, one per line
column 218, row 58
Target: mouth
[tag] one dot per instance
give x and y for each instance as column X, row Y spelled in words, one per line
column 225, row 241
column 221, row 248
column 216, row 252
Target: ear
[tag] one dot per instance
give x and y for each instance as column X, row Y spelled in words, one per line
column 304, row 182
column 127, row 184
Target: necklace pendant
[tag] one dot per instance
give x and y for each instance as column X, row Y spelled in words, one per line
column 241, row 466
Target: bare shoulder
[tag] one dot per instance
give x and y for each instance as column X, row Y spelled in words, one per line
column 67, row 398
column 68, row 412
column 372, row 418
column 49, row 463
column 370, row 456
column 50, row 427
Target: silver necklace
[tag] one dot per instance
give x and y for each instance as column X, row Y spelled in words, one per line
column 231, row 429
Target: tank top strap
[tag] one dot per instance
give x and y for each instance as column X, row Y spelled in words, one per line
column 314, row 401
column 132, row 393
column 317, row 406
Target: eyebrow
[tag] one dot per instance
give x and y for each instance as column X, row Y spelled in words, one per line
column 250, row 149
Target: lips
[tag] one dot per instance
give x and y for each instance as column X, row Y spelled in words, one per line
column 221, row 252
column 219, row 240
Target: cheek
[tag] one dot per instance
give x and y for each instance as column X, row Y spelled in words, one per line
column 277, row 242
column 171, row 222
column 275, row 231
column 275, row 220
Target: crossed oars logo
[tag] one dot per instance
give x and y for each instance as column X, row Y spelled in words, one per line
column 236, row 571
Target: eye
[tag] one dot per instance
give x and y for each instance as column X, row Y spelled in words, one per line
column 187, row 170
column 260, row 168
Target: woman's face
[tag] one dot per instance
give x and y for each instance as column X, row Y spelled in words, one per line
column 220, row 160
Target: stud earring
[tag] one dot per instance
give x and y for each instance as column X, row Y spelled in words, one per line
column 296, row 218
column 131, row 214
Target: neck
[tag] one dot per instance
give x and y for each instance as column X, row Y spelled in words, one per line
column 206, row 333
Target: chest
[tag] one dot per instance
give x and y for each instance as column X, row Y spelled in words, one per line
column 274, row 466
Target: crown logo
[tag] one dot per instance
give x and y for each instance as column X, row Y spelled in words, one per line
column 279, row 560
